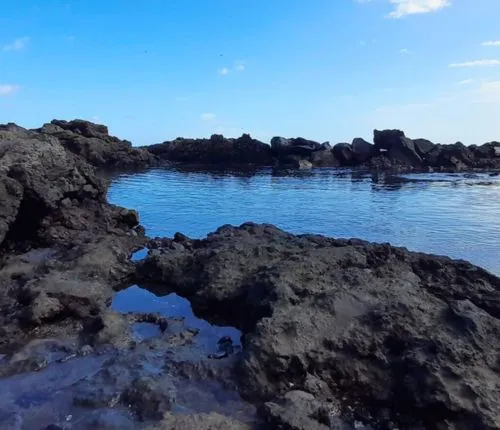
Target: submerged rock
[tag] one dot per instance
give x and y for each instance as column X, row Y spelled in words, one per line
column 393, row 335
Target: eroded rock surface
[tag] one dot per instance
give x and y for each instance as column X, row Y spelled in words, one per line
column 398, row 337
column 94, row 144
column 62, row 246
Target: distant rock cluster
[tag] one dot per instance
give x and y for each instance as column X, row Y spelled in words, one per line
column 391, row 150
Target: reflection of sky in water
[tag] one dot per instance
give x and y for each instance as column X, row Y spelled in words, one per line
column 136, row 299
column 452, row 214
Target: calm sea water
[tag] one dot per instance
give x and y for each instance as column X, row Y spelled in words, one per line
column 451, row 214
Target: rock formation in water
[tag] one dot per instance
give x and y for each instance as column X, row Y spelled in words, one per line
column 215, row 151
column 391, row 150
column 373, row 332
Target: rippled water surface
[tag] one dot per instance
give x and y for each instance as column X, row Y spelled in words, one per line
column 452, row 214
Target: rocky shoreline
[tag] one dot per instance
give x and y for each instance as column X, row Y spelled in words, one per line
column 337, row 334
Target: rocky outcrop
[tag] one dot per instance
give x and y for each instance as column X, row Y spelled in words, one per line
column 376, row 333
column 391, row 150
column 93, row 143
column 215, row 151
column 62, row 246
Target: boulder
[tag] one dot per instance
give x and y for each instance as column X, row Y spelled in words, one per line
column 11, row 194
column 399, row 149
column 362, row 150
column 296, row 146
column 395, row 336
column 324, row 158
column 215, row 151
column 93, row 143
column 344, row 153
column 423, row 146
column 456, row 156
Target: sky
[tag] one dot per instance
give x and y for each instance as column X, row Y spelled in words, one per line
column 328, row 70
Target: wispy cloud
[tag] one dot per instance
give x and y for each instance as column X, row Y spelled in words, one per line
column 239, row 66
column 404, row 51
column 491, row 43
column 7, row 89
column 397, row 108
column 476, row 63
column 413, row 7
column 488, row 92
column 17, row 44
column 208, row 117
column 465, row 81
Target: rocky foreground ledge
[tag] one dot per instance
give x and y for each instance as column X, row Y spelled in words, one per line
column 336, row 333
column 369, row 330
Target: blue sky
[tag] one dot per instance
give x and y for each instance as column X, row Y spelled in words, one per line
column 324, row 69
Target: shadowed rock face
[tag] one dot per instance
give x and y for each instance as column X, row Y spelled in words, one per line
column 390, row 333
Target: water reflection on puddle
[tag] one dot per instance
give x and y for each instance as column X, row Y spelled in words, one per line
column 139, row 255
column 137, row 299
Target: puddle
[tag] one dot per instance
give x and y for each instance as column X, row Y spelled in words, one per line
column 137, row 299
column 139, row 255
column 93, row 391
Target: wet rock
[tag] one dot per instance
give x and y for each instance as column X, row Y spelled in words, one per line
column 383, row 328
column 93, row 143
column 212, row 421
column 294, row 162
column 296, row 410
column 43, row 308
column 148, row 399
column 215, row 151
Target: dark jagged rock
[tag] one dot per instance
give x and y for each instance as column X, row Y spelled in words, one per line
column 423, row 146
column 62, row 247
column 294, row 162
column 395, row 336
column 362, row 150
column 398, row 147
column 296, row 146
column 93, row 143
column 215, row 151
column 324, row 158
column 344, row 153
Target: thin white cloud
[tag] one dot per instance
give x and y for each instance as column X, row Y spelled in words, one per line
column 476, row 63
column 17, row 44
column 488, row 92
column 239, row 68
column 465, row 81
column 491, row 43
column 7, row 89
column 208, row 116
column 413, row 7
column 398, row 108
column 490, row 87
column 404, row 51
column 224, row 71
